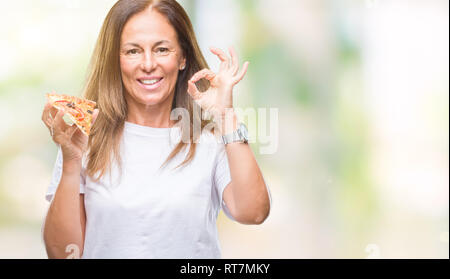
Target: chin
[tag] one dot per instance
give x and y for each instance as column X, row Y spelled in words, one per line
column 151, row 99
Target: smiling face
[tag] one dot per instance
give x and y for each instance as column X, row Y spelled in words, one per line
column 150, row 58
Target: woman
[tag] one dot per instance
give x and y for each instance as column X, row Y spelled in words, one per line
column 136, row 188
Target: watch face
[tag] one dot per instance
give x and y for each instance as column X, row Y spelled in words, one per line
column 243, row 131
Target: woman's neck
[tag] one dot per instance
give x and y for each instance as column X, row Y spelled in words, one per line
column 151, row 116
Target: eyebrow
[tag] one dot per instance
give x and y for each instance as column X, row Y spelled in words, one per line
column 156, row 44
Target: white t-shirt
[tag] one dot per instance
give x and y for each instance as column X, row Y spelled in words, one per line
column 151, row 212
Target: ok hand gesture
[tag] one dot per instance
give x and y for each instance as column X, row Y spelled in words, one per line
column 219, row 95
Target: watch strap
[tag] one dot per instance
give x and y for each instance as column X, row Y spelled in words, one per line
column 235, row 136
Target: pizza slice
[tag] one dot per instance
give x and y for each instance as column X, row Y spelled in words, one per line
column 79, row 110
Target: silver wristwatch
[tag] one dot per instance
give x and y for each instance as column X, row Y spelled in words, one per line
column 239, row 135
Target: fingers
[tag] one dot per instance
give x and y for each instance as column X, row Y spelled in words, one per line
column 234, row 59
column 241, row 75
column 71, row 130
column 54, row 130
column 192, row 88
column 48, row 115
column 46, row 110
column 59, row 125
column 223, row 58
column 230, row 64
column 193, row 91
column 94, row 115
column 58, row 121
column 205, row 73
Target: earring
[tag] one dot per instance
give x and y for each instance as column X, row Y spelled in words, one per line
column 182, row 67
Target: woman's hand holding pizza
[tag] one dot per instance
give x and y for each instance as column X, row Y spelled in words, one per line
column 72, row 140
column 219, row 96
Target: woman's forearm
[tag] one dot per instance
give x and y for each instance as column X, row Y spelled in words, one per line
column 250, row 196
column 63, row 225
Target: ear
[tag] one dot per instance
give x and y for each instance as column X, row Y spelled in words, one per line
column 183, row 64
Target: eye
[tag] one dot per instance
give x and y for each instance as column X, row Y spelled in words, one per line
column 133, row 51
column 163, row 50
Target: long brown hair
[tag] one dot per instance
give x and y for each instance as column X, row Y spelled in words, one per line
column 104, row 83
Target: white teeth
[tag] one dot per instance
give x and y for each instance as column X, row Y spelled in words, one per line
column 149, row 81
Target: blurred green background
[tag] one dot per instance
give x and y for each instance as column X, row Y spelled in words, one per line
column 362, row 91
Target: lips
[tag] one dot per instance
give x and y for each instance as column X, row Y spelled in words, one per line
column 146, row 82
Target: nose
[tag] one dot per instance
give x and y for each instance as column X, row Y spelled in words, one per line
column 148, row 62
